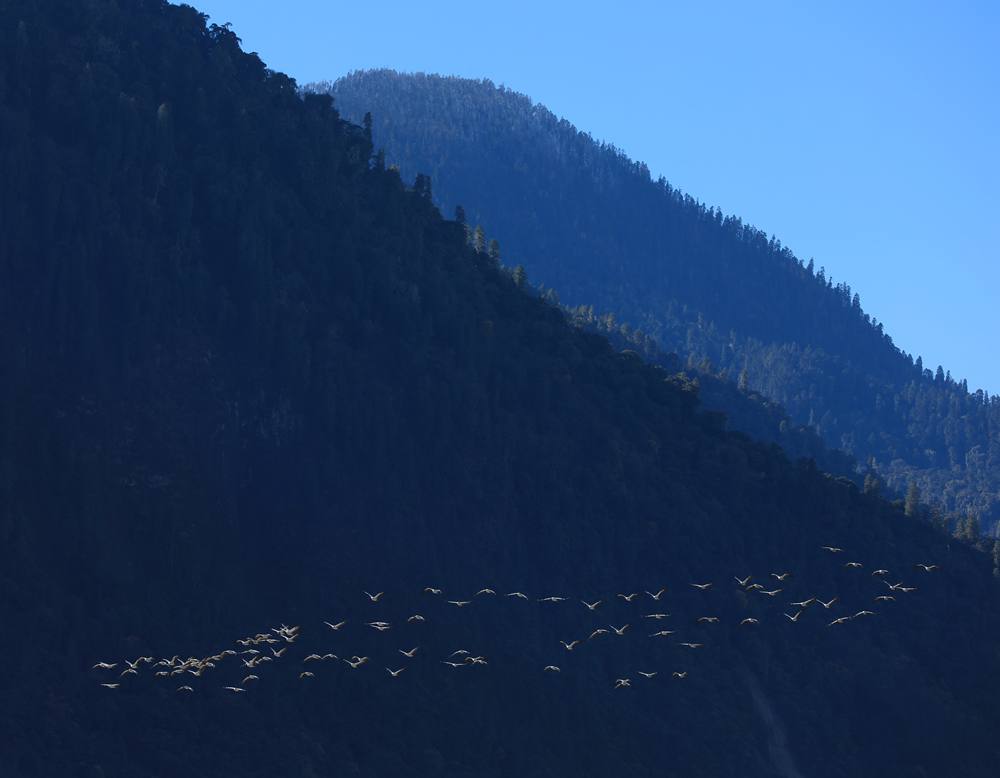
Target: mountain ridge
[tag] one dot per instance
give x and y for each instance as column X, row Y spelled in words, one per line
column 591, row 223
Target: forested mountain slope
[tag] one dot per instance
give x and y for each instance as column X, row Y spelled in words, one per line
column 738, row 407
column 592, row 224
column 248, row 374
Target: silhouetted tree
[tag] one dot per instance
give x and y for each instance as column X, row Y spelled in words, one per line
column 422, row 186
column 479, row 239
column 912, row 505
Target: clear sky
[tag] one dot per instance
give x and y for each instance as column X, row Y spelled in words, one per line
column 863, row 134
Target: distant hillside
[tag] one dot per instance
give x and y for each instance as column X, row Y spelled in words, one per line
column 249, row 373
column 741, row 408
column 592, row 224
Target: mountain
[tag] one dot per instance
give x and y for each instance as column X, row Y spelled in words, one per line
column 592, row 224
column 249, row 374
column 738, row 407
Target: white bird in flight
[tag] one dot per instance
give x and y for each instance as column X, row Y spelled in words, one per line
column 805, row 603
column 743, row 581
column 795, row 617
column 459, row 603
column 678, row 674
column 336, row 626
column 591, row 606
column 184, row 689
column 708, row 619
column 415, row 617
column 571, row 645
column 781, row 576
column 484, row 591
column 411, row 653
column 552, row 599
column 703, row 586
column 621, row 683
column 748, row 620
column 395, row 673
column 105, row 666
column 827, row 605
column 647, row 675
column 656, row 616
column 832, row 549
column 110, row 685
column 597, row 632
column 519, row 595
column 658, row 595
column 552, row 669
column 619, row 631
column 432, row 590
column 841, row 620
column 374, row 597
column 662, row 633
column 629, row 597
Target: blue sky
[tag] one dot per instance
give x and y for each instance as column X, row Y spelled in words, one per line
column 863, row 134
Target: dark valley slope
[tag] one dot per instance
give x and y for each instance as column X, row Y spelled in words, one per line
column 592, row 224
column 247, row 374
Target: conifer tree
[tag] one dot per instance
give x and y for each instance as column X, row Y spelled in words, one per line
column 422, row 186
column 912, row 505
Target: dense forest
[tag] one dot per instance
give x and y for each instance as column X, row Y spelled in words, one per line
column 249, row 372
column 737, row 406
column 589, row 222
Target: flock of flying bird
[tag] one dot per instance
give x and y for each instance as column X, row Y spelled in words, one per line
column 253, row 653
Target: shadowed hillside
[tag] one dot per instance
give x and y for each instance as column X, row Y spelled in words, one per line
column 591, row 223
column 249, row 374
